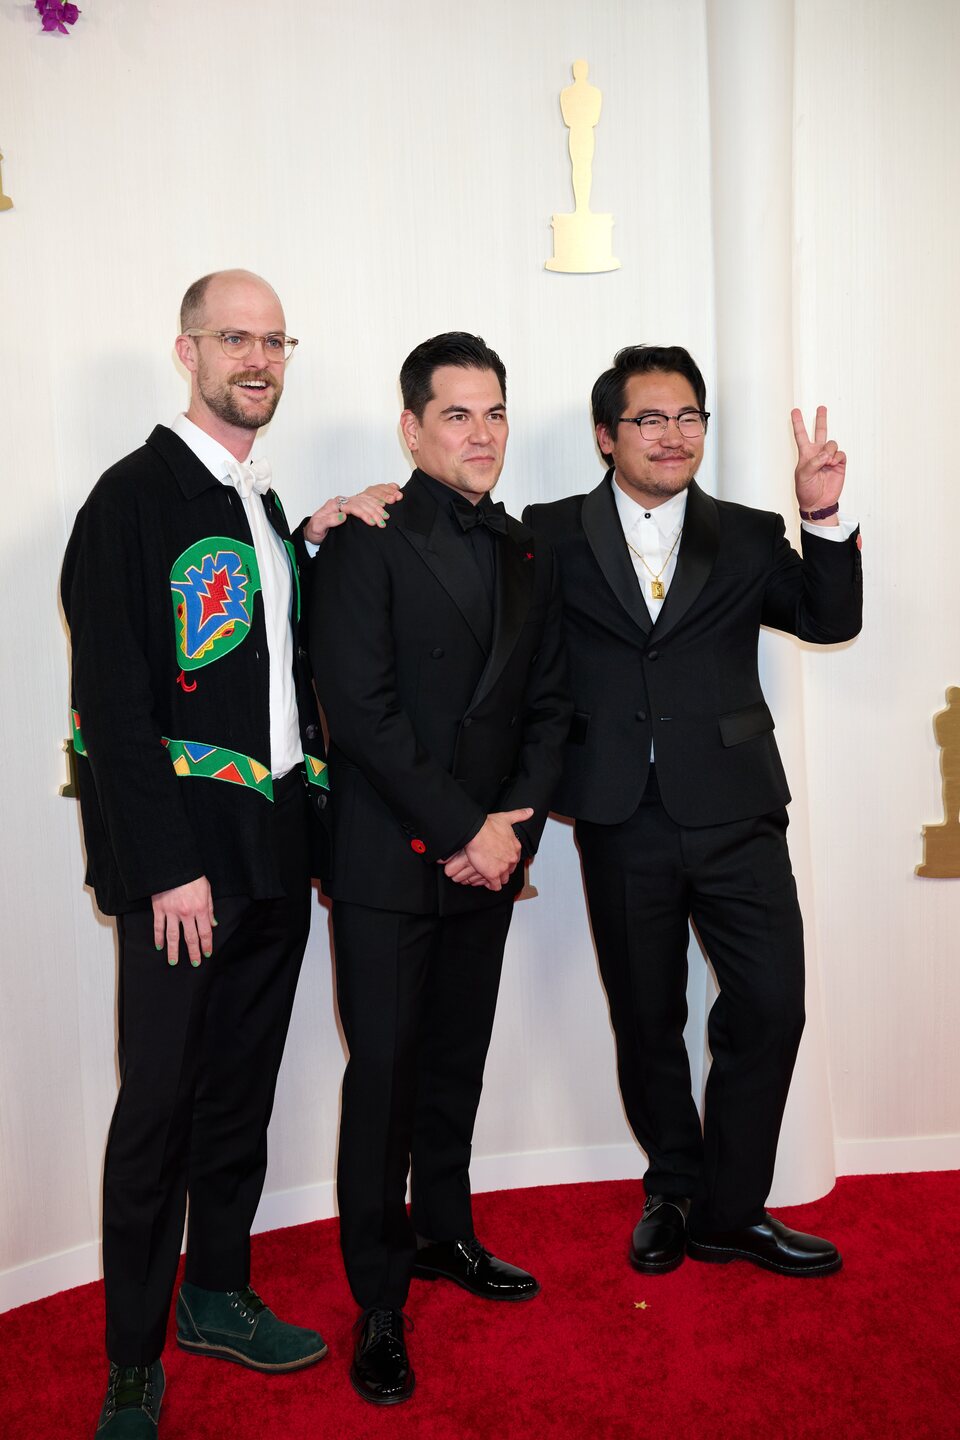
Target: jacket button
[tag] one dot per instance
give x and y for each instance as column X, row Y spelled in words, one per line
column 301, row 653
column 418, row 846
column 311, row 731
column 641, row 714
column 467, row 723
column 513, row 721
column 438, row 653
column 652, row 654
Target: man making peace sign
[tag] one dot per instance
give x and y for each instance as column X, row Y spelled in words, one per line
column 674, row 778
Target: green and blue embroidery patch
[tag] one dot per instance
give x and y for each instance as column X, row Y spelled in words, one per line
column 213, row 586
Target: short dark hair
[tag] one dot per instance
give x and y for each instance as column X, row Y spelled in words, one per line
column 610, row 391
column 454, row 347
column 191, row 306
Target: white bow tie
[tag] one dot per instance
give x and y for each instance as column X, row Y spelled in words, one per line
column 250, row 479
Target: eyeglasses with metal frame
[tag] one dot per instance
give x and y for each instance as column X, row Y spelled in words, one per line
column 238, row 344
column 653, row 425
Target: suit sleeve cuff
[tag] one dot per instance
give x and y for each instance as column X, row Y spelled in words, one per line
column 841, row 531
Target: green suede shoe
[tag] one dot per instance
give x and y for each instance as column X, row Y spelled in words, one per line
column 236, row 1325
column 131, row 1410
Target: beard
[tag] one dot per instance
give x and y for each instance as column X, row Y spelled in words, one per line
column 646, row 484
column 665, row 489
column 223, row 400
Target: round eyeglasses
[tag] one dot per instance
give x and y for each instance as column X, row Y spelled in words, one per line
column 652, row 426
column 238, row 344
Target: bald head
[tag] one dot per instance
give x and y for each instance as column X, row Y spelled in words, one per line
column 218, row 288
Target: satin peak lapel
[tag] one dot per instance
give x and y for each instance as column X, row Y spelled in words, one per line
column 431, row 532
column 698, row 552
column 515, row 574
column 601, row 525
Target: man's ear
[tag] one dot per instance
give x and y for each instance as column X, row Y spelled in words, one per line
column 410, row 430
column 187, row 352
column 604, row 439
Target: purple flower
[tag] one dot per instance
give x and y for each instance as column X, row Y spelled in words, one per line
column 56, row 15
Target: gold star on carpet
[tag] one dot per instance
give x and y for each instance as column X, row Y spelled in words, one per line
column 640, row 1305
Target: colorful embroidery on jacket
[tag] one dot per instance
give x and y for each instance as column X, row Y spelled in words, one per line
column 295, row 571
column 317, row 772
column 213, row 586
column 78, row 746
column 193, row 759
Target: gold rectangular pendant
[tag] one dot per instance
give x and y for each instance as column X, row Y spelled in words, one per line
column 656, row 589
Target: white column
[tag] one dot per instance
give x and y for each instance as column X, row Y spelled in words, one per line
column 750, row 48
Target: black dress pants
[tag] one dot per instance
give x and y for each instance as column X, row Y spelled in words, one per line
column 417, row 997
column 644, row 879
column 199, row 1052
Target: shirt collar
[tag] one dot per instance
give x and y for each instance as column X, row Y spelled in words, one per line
column 667, row 517
column 209, row 452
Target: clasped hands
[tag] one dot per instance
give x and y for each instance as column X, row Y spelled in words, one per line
column 491, row 857
column 367, row 506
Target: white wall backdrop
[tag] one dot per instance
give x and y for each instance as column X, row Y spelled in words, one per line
column 392, row 170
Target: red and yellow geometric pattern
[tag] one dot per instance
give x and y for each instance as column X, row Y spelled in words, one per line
column 193, row 759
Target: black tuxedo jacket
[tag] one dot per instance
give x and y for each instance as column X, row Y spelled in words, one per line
column 152, row 727
column 690, row 682
column 432, row 727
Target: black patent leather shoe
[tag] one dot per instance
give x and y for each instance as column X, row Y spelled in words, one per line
column 770, row 1245
column 660, row 1235
column 469, row 1265
column 380, row 1371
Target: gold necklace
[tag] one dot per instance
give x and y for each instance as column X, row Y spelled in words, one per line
column 656, row 584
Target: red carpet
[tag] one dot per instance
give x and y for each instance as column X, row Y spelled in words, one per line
column 724, row 1352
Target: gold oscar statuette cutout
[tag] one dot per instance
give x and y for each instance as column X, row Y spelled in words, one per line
column 5, row 202
column 582, row 242
column 941, row 843
column 69, row 790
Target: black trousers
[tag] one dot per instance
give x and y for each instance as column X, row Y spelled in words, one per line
column 199, row 1052
column 417, row 997
column 644, row 879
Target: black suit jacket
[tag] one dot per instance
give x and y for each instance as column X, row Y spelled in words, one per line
column 690, row 682
column 430, row 729
column 152, row 817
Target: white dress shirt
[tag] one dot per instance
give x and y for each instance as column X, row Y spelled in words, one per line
column 276, row 588
column 651, row 533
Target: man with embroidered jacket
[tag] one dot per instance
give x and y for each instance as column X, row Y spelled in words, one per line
column 202, row 785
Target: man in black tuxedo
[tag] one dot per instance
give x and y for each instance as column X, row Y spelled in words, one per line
column 437, row 652
column 673, row 775
column 202, row 785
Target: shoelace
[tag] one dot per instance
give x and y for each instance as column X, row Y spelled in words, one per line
column 474, row 1250
column 130, row 1387
column 383, row 1323
column 248, row 1299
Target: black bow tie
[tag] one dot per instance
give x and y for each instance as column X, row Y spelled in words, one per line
column 493, row 516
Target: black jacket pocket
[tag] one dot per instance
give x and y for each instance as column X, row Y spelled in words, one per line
column 745, row 724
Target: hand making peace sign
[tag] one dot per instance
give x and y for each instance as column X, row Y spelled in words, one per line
column 821, row 466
